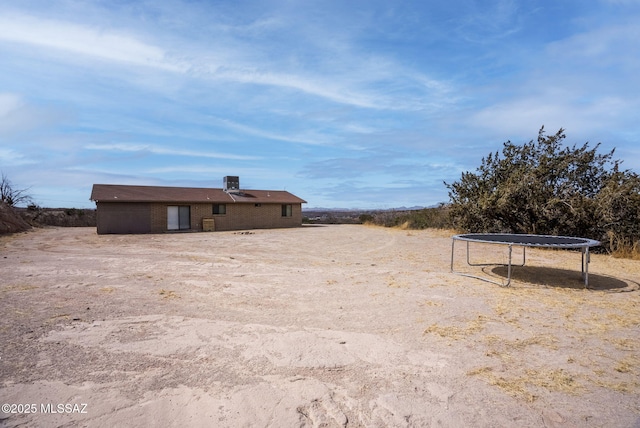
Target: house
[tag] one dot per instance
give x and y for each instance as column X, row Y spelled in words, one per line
column 154, row 209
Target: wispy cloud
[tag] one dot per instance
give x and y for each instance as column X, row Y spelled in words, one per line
column 11, row 157
column 17, row 115
column 147, row 148
column 239, row 63
column 521, row 116
column 486, row 22
column 78, row 39
column 9, row 103
column 292, row 137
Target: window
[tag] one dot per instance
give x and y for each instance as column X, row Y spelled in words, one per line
column 287, row 210
column 219, row 209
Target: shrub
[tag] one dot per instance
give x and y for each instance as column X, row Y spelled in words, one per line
column 425, row 218
column 543, row 187
column 365, row 218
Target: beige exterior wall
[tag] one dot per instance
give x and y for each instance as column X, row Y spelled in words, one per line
column 238, row 216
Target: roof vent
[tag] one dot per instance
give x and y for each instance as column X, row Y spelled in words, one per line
column 231, row 183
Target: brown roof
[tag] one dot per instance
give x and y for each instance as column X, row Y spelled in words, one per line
column 122, row 193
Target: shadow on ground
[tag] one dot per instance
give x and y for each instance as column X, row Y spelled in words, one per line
column 562, row 278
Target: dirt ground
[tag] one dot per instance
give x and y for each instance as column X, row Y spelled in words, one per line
column 342, row 325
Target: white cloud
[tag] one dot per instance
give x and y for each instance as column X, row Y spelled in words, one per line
column 210, row 171
column 586, row 83
column 601, row 47
column 9, row 103
column 226, row 59
column 524, row 116
column 17, row 115
column 127, row 147
column 13, row 158
column 83, row 40
column 305, row 138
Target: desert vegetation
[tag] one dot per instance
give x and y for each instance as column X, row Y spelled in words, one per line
column 11, row 195
column 15, row 217
column 545, row 187
column 540, row 187
column 426, row 218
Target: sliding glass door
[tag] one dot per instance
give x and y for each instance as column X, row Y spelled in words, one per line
column 179, row 217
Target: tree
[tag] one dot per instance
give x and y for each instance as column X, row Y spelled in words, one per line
column 618, row 208
column 543, row 187
column 12, row 196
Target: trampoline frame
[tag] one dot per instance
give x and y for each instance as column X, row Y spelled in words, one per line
column 524, row 241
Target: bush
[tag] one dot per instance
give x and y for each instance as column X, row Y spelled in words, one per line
column 618, row 209
column 416, row 219
column 542, row 187
column 365, row 218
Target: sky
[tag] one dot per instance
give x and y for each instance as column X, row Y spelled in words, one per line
column 364, row 104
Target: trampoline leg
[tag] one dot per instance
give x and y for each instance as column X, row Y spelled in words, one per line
column 509, row 268
column 453, row 243
column 508, row 265
column 585, row 264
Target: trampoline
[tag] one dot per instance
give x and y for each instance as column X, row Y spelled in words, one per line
column 524, row 241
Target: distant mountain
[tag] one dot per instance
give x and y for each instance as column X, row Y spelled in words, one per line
column 364, row 210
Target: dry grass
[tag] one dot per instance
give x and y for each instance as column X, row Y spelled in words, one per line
column 17, row 287
column 534, row 314
column 168, row 294
column 545, row 340
column 456, row 332
column 431, row 303
column 443, row 233
column 394, row 283
column 584, row 316
column 625, row 344
column 527, row 385
column 404, row 226
column 622, row 247
column 630, row 254
column 629, row 364
column 584, row 312
column 622, row 387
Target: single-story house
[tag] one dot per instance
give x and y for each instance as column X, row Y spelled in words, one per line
column 155, row 209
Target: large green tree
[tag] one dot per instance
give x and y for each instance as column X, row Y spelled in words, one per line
column 546, row 187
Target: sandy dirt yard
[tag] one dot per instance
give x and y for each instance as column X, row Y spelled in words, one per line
column 324, row 326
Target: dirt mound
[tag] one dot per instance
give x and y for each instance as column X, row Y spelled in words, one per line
column 10, row 221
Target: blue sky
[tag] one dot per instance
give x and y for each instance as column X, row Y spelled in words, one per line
column 354, row 104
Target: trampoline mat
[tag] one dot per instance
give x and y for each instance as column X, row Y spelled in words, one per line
column 529, row 240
